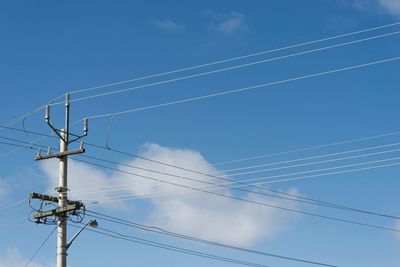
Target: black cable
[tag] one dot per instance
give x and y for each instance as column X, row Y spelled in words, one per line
column 23, row 142
column 191, row 238
column 25, row 131
column 27, row 146
column 245, row 200
column 305, row 199
column 308, row 200
column 40, row 247
column 142, row 241
column 300, row 198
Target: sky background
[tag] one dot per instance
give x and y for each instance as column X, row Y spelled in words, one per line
column 49, row 48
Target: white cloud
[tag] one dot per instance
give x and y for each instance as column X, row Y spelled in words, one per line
column 183, row 210
column 373, row 6
column 84, row 181
column 169, row 25
column 4, row 188
column 397, row 226
column 14, row 258
column 392, row 6
column 361, row 5
column 228, row 23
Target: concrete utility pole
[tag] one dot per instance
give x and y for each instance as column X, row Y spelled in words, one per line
column 63, row 192
column 62, row 202
column 64, row 205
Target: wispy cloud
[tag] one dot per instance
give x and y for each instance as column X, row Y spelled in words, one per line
column 179, row 209
column 4, row 188
column 397, row 226
column 14, row 258
column 374, row 6
column 169, row 26
column 392, row 6
column 227, row 23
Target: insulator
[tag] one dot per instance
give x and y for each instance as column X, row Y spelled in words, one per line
column 47, row 114
column 85, row 126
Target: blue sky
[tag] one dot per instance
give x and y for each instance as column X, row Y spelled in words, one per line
column 50, row 48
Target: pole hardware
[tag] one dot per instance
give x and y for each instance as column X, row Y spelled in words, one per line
column 65, row 209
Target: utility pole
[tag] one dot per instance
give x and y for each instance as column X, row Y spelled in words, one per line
column 65, row 207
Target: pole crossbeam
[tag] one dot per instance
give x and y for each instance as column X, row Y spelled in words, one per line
column 58, row 211
column 61, row 154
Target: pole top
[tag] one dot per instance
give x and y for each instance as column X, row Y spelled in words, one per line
column 66, row 99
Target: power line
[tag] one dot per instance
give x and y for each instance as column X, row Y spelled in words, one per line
column 315, row 162
column 307, row 158
column 168, row 193
column 14, row 226
column 244, row 183
column 191, row 238
column 274, row 163
column 26, row 131
column 17, row 145
column 232, row 67
column 347, row 141
column 29, row 113
column 306, row 148
column 117, row 235
column 40, row 247
column 317, row 202
column 21, row 141
column 13, row 205
column 232, row 91
column 307, row 200
column 248, row 158
column 13, row 208
column 243, row 199
column 234, row 58
column 222, row 174
column 232, row 182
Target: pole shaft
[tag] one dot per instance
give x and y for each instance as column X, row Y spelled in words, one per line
column 62, row 192
column 62, row 202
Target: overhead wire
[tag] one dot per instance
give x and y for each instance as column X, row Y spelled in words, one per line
column 117, row 235
column 230, row 68
column 13, row 208
column 347, row 141
column 232, row 185
column 27, row 131
column 40, row 247
column 224, row 162
column 220, row 186
column 222, row 174
column 243, row 199
column 42, row 146
column 248, row 184
column 159, row 230
column 243, row 183
column 242, row 89
column 13, row 205
column 235, row 58
column 274, row 163
column 306, row 158
column 315, row 162
column 30, row 144
column 173, row 193
column 30, row 113
column 14, row 227
column 250, row 201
